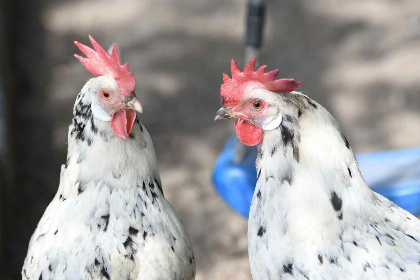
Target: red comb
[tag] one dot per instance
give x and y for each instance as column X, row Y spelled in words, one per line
column 233, row 88
column 100, row 63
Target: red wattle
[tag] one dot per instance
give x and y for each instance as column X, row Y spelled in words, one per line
column 248, row 133
column 122, row 122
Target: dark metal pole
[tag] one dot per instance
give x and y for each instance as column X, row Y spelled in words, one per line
column 253, row 41
column 254, row 29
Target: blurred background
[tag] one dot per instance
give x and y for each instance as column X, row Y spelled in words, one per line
column 360, row 59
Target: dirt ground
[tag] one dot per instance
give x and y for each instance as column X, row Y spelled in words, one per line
column 360, row 59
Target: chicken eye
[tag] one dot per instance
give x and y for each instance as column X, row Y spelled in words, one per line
column 106, row 95
column 257, row 105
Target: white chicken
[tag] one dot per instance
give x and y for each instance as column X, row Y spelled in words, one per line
column 109, row 218
column 312, row 214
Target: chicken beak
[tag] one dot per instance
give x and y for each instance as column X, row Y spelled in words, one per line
column 134, row 104
column 223, row 113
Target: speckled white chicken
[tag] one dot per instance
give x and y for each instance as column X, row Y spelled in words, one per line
column 312, row 214
column 109, row 218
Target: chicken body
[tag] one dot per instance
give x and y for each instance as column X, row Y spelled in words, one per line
column 312, row 214
column 109, row 218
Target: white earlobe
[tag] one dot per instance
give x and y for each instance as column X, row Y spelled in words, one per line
column 99, row 113
column 272, row 123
